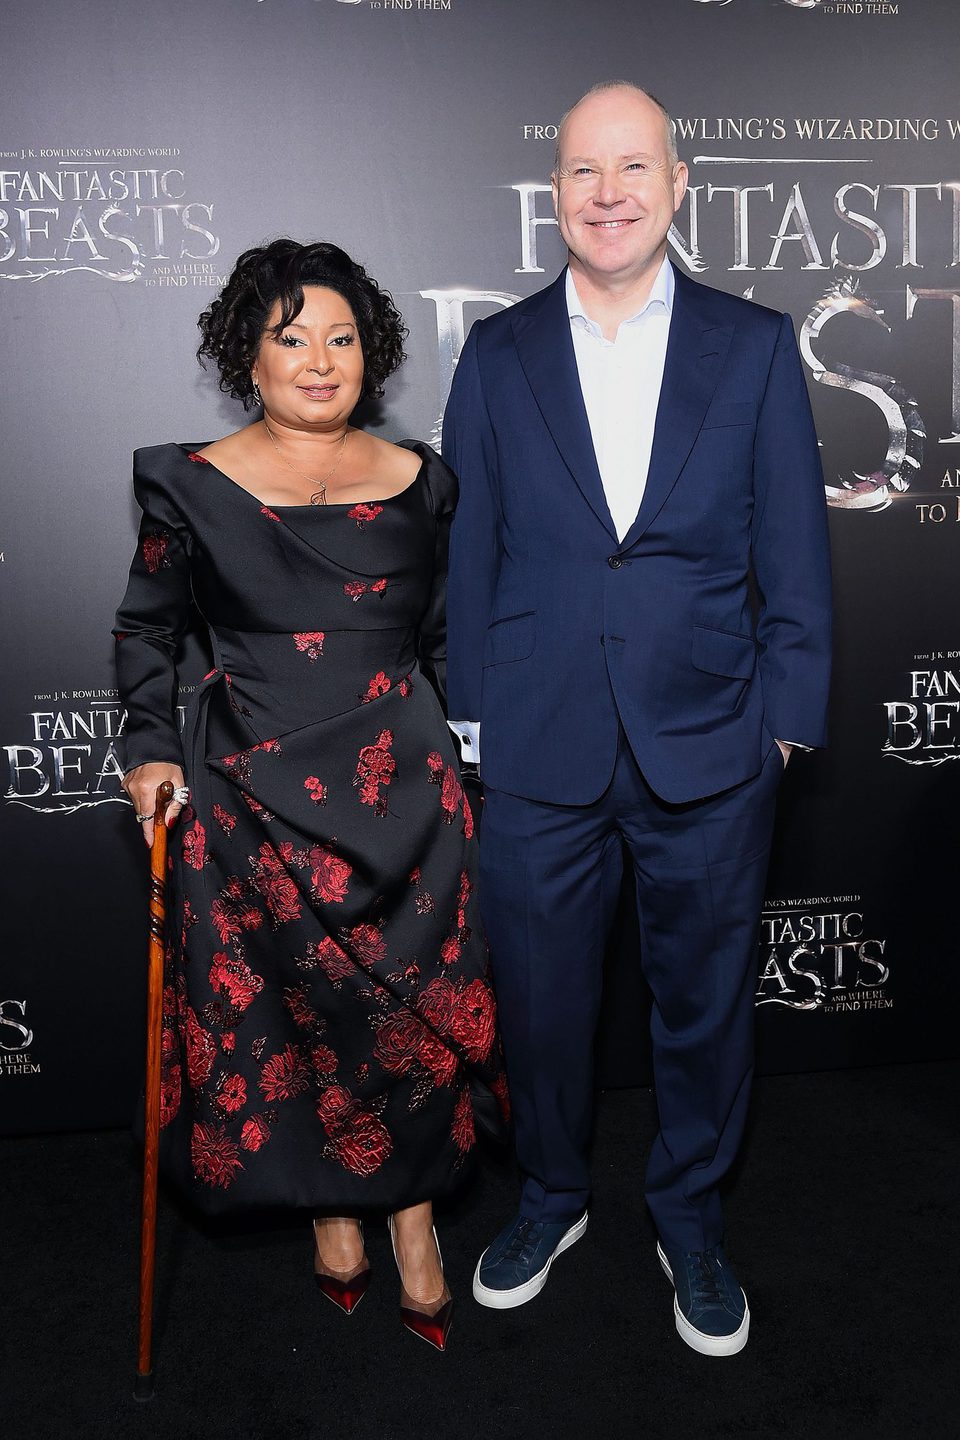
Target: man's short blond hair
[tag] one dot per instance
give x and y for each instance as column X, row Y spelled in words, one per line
column 599, row 89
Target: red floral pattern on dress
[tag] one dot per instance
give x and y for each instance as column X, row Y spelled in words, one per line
column 463, row 897
column 463, row 1130
column 363, row 514
column 451, row 793
column 445, row 1012
column 153, row 546
column 379, row 685
column 228, row 1042
column 255, row 1133
column 237, row 765
column 195, row 846
column 398, row 1040
column 438, row 1059
column 232, row 913
column 436, row 1004
column 354, row 589
column 502, row 1093
column 405, row 687
column 335, row 964
column 269, row 747
column 316, row 790
column 232, row 978
column 323, row 1060
column 435, row 766
column 198, row 459
column 303, row 1013
column 170, row 1094
column 333, row 1104
column 170, row 1071
column 224, row 819
column 275, row 883
column 329, row 875
column 365, row 943
column 310, row 643
column 201, row 1050
column 357, row 1139
column 425, row 903
column 232, row 1095
column 375, row 769
column 450, row 950
column 364, row 1145
column 215, row 1157
column 255, row 807
column 285, row 1076
column 404, row 1043
column 270, row 514
column 473, row 1023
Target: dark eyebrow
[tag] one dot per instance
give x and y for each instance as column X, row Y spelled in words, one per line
column 295, row 325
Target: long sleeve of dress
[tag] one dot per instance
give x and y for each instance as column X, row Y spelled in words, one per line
column 432, row 643
column 151, row 619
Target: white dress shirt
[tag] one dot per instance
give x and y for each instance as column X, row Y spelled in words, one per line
column 620, row 380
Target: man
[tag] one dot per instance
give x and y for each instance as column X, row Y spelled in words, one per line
column 639, row 621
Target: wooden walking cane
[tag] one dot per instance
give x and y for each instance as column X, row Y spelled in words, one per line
column 143, row 1388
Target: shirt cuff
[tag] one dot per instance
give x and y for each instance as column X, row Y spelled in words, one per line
column 795, row 745
column 468, row 733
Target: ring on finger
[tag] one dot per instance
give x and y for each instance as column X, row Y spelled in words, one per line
column 181, row 794
column 142, row 819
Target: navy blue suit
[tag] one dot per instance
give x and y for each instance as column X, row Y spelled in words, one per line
column 634, row 690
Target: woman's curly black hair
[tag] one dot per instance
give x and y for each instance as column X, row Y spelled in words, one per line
column 236, row 322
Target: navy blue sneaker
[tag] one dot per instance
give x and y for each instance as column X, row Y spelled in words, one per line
column 712, row 1312
column 516, row 1266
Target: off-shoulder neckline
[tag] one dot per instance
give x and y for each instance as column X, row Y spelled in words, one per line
column 187, row 451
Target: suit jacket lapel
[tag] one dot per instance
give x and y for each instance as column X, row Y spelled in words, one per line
column 545, row 347
column 695, row 352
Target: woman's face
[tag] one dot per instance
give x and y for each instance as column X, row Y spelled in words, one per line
column 310, row 375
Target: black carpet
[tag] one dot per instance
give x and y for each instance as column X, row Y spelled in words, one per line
column 841, row 1223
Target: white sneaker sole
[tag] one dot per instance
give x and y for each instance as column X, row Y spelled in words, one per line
column 696, row 1339
column 520, row 1294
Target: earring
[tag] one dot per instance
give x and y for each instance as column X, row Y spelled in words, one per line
column 258, row 398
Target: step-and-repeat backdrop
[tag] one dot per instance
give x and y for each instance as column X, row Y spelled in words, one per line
column 142, row 147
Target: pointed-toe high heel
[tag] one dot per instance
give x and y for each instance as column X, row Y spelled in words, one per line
column 346, row 1288
column 431, row 1321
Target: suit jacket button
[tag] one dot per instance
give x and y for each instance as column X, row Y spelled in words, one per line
column 614, row 562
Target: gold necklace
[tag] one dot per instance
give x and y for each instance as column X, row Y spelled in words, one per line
column 319, row 496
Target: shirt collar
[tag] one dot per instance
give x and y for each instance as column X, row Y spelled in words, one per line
column 660, row 298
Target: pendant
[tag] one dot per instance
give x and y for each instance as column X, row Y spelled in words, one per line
column 319, row 497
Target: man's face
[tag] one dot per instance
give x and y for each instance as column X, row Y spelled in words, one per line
column 615, row 190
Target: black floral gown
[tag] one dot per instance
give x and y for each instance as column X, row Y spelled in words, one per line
column 327, row 1008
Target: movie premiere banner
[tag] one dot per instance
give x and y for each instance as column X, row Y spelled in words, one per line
column 142, row 148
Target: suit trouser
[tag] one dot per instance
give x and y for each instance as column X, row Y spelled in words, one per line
column 550, row 876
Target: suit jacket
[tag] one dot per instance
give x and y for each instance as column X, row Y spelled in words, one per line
column 706, row 632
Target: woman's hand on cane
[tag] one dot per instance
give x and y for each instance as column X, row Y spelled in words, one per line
column 141, row 787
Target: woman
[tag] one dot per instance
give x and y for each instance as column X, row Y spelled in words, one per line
column 327, row 1002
